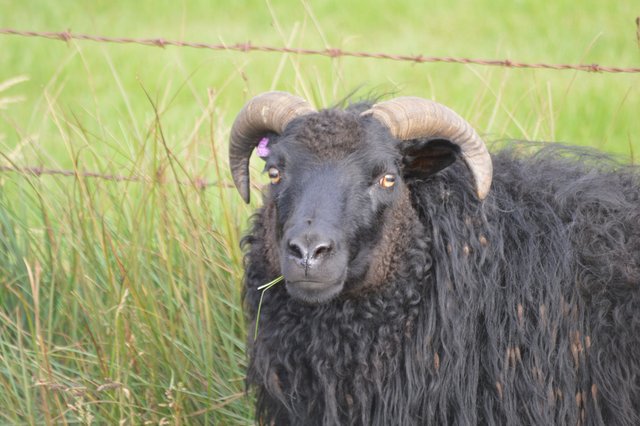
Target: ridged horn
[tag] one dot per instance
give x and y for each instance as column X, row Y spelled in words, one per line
column 412, row 118
column 268, row 112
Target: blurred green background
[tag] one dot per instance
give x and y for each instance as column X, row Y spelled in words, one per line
column 120, row 301
column 105, row 81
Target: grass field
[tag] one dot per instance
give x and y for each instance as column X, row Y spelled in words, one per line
column 120, row 301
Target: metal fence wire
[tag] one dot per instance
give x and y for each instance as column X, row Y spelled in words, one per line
column 66, row 36
column 247, row 47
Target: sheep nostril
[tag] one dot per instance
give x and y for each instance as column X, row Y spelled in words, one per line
column 297, row 251
column 320, row 250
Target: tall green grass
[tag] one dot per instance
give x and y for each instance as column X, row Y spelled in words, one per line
column 120, row 301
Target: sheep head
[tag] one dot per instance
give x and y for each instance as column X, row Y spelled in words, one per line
column 338, row 179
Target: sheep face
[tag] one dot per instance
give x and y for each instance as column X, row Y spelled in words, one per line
column 339, row 209
column 340, row 200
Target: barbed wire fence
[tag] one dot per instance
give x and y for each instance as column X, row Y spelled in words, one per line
column 67, row 36
column 247, row 47
column 37, row 172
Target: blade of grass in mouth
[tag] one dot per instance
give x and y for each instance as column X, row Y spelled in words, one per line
column 264, row 288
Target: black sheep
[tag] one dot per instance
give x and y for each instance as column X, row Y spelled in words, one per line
column 414, row 294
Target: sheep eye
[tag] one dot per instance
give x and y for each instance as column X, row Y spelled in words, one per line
column 274, row 175
column 387, row 181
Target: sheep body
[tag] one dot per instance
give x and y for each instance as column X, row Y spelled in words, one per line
column 520, row 309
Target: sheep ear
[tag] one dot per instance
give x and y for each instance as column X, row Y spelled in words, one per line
column 423, row 158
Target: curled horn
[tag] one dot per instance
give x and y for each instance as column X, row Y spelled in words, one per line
column 412, row 118
column 268, row 112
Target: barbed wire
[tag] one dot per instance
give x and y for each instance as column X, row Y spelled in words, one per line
column 67, row 36
column 198, row 182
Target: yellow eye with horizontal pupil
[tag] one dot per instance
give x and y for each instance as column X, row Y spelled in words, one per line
column 274, row 175
column 387, row 181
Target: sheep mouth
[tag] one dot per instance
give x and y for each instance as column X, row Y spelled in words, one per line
column 314, row 292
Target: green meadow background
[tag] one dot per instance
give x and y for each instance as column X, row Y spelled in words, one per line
column 120, row 302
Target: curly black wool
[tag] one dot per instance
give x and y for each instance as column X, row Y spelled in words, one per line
column 520, row 309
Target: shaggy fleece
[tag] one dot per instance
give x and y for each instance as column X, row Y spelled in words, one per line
column 521, row 309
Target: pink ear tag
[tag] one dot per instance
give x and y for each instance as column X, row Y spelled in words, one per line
column 263, row 150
